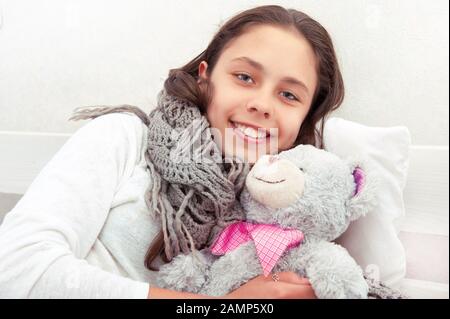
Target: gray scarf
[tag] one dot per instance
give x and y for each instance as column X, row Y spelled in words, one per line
column 193, row 188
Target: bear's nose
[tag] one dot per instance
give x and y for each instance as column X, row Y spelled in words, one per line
column 272, row 159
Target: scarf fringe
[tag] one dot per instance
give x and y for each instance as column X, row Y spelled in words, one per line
column 193, row 198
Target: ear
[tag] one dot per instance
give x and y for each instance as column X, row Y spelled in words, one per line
column 202, row 67
column 363, row 196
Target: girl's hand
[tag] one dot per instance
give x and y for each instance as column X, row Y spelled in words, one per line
column 289, row 286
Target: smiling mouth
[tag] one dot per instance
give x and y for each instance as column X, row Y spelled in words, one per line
column 269, row 182
column 251, row 132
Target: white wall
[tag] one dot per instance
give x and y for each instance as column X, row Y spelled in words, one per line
column 56, row 55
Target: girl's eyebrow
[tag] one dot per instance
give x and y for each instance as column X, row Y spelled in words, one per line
column 260, row 67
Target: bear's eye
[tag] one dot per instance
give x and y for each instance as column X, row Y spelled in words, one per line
column 301, row 169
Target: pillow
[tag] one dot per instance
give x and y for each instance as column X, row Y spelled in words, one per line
column 372, row 240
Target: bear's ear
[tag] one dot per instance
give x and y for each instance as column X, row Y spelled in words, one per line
column 363, row 196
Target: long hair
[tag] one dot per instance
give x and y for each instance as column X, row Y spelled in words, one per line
column 185, row 83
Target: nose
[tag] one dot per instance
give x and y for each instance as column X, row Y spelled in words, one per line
column 261, row 107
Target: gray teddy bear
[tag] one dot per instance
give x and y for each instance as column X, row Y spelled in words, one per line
column 296, row 204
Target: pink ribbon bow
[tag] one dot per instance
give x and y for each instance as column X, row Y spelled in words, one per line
column 271, row 241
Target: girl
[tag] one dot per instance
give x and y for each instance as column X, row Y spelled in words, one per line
column 116, row 201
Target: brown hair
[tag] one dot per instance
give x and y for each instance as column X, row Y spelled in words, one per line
column 183, row 82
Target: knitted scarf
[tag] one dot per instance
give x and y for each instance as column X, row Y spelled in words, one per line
column 193, row 188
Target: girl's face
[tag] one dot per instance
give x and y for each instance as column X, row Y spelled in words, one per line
column 264, row 82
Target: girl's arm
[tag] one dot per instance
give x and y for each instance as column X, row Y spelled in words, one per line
column 289, row 286
column 45, row 238
column 160, row 293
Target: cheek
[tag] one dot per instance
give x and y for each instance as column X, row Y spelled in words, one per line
column 289, row 128
column 217, row 115
column 220, row 109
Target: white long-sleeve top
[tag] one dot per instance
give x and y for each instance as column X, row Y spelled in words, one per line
column 82, row 228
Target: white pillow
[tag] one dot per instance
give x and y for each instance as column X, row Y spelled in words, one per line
column 372, row 240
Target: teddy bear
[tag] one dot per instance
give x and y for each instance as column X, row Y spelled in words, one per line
column 296, row 204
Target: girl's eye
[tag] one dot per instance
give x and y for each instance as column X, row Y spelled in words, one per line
column 294, row 98
column 243, row 77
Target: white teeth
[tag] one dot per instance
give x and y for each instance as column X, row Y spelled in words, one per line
column 250, row 131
